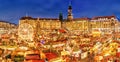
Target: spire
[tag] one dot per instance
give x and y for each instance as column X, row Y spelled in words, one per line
column 70, row 17
column 70, row 4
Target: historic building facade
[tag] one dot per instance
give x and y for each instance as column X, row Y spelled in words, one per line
column 78, row 25
column 105, row 23
column 7, row 31
column 30, row 28
column 6, row 27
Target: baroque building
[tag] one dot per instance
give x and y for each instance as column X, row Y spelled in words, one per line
column 7, row 31
column 6, row 27
column 105, row 23
column 30, row 28
column 78, row 25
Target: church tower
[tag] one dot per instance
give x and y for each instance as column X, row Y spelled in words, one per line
column 70, row 16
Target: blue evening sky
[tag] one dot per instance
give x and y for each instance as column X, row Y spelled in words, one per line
column 13, row 10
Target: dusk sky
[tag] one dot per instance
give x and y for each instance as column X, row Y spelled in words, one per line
column 13, row 10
